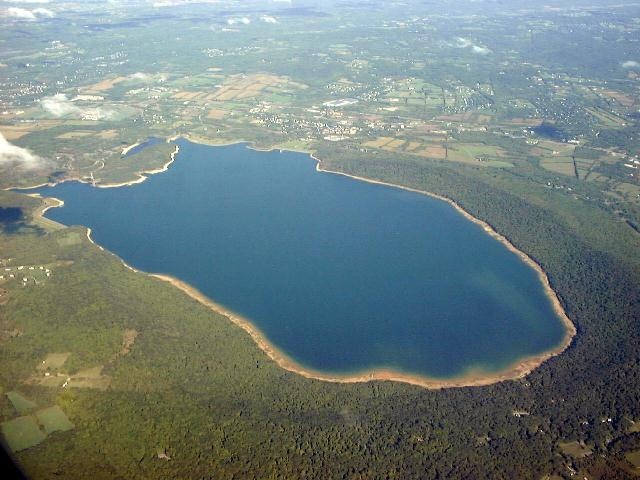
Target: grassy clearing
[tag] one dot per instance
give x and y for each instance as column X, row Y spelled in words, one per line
column 395, row 144
column 628, row 189
column 412, row 146
column 22, row 433
column 53, row 419
column 240, row 87
column 217, row 114
column 378, row 142
column 90, row 378
column 20, row 403
column 435, row 151
column 562, row 165
column 53, row 361
column 550, row 149
column 69, row 238
column 607, row 119
column 575, row 449
column 102, row 86
column 295, row 145
column 621, row 98
column 478, row 154
column 634, row 459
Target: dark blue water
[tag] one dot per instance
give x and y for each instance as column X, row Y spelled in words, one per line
column 339, row 274
column 138, row 148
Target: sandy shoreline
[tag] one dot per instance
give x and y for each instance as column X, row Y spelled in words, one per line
column 144, row 174
column 129, row 148
column 56, row 203
column 526, row 365
column 474, row 377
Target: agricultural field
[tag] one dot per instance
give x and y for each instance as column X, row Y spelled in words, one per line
column 32, row 425
column 22, row 433
column 88, row 123
column 53, row 419
column 21, row 404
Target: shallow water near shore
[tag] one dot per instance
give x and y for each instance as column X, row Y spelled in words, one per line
column 340, row 275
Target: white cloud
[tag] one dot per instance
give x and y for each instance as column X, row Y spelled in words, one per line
column 44, row 12
column 631, row 64
column 24, row 14
column 13, row 155
column 139, row 76
column 15, row 12
column 480, row 50
column 27, row 1
column 148, row 77
column 466, row 43
column 242, row 20
column 59, row 105
column 268, row 19
column 463, row 42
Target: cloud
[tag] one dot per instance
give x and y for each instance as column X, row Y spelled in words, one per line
column 480, row 50
column 24, row 14
column 43, row 12
column 242, row 20
column 466, row 43
column 13, row 155
column 27, row 1
column 148, row 77
column 268, row 19
column 59, row 105
column 631, row 64
column 139, row 76
column 15, row 12
column 463, row 42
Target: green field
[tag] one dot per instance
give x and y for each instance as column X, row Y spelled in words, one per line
column 21, row 404
column 634, row 459
column 53, row 419
column 22, row 433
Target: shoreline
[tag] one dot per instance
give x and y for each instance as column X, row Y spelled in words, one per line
column 126, row 150
column 527, row 364
column 474, row 377
column 471, row 378
column 143, row 174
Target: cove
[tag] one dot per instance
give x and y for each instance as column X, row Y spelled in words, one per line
column 342, row 278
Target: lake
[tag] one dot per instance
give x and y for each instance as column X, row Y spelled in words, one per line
column 341, row 275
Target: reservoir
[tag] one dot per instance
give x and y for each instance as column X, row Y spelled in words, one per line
column 341, row 276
